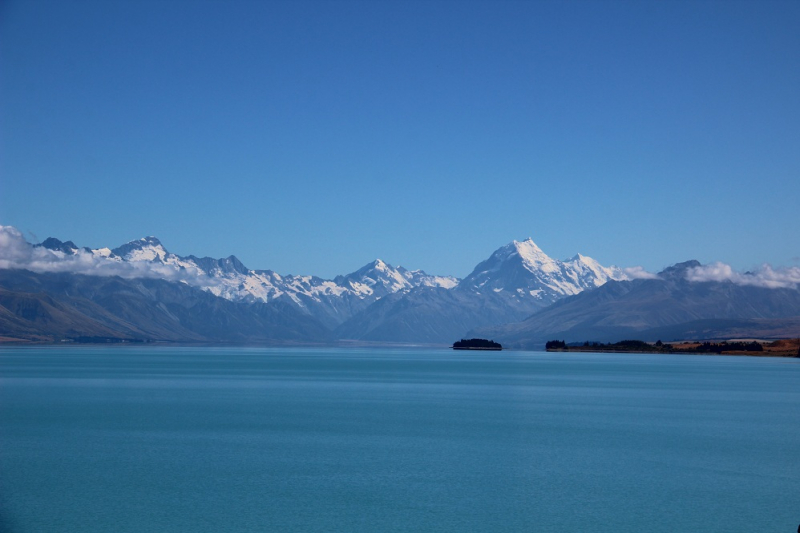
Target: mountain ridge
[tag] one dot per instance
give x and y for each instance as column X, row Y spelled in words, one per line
column 515, row 281
column 331, row 301
column 645, row 308
column 509, row 296
column 530, row 278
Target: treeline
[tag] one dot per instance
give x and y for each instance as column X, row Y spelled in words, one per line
column 714, row 347
column 477, row 343
column 657, row 347
column 555, row 345
column 621, row 346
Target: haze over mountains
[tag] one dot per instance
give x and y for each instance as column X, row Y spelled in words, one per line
column 520, row 296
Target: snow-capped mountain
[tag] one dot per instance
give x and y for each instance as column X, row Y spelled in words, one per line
column 57, row 291
column 524, row 271
column 379, row 279
column 331, row 301
column 668, row 306
column 517, row 280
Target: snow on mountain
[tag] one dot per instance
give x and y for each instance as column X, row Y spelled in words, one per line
column 103, row 252
column 588, row 273
column 670, row 305
column 519, row 276
column 330, row 300
column 525, row 271
column 378, row 279
column 518, row 270
column 514, row 282
column 419, row 278
column 375, row 279
column 144, row 249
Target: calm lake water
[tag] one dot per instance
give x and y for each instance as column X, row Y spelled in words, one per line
column 254, row 439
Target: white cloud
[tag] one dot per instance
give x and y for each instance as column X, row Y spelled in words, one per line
column 638, row 272
column 765, row 276
column 17, row 253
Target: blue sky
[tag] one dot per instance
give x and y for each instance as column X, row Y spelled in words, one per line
column 313, row 137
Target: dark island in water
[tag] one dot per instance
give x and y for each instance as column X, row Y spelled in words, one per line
column 476, row 344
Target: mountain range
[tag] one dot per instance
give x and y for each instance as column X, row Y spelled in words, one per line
column 668, row 306
column 515, row 281
column 63, row 306
column 55, row 291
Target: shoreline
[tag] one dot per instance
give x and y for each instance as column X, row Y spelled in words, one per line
column 772, row 348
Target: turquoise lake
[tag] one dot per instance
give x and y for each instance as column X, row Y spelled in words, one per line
column 264, row 439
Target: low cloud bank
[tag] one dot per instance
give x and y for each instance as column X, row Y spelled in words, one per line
column 17, row 253
column 638, row 272
column 765, row 276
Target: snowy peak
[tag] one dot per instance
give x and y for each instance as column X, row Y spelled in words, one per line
column 149, row 241
column 593, row 272
column 522, row 270
column 378, row 264
column 379, row 271
column 524, row 253
column 529, row 251
column 150, row 249
column 376, row 278
column 533, row 258
column 519, row 272
column 526, row 248
column 105, row 253
column 144, row 249
column 419, row 278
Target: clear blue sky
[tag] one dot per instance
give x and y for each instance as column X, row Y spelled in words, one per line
column 313, row 137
